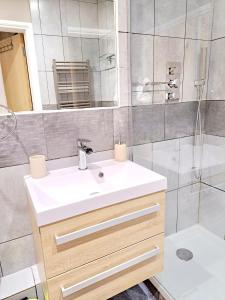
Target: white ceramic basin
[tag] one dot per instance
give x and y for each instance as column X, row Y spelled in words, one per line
column 68, row 192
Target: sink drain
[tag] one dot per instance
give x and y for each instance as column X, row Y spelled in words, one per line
column 184, row 254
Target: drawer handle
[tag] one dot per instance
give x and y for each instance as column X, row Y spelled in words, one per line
column 101, row 276
column 72, row 236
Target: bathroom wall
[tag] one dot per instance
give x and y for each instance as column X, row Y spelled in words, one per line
column 54, row 134
column 76, row 31
column 162, row 32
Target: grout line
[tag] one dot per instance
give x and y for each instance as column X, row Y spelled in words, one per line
column 11, row 240
column 212, row 186
column 1, row 271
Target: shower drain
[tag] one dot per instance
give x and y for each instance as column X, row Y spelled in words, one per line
column 184, row 254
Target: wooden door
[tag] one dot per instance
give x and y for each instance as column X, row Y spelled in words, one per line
column 15, row 74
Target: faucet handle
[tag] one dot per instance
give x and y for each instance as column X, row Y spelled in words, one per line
column 81, row 142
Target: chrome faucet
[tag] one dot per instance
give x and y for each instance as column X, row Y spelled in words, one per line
column 83, row 151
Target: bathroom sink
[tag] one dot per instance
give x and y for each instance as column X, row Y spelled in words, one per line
column 68, row 192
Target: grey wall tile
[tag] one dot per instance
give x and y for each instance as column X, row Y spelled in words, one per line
column 216, row 81
column 171, row 212
column 43, row 88
column 180, row 119
column 141, row 66
column 27, row 140
column 170, row 18
column 35, row 16
column 143, row 155
column 122, row 125
column 189, row 164
column 213, row 161
column 188, row 206
column 212, row 207
column 166, row 50
column 14, row 214
column 69, row 44
column 214, row 118
column 53, row 49
column 50, row 17
column 148, row 123
column 123, row 15
column 70, row 11
column 17, row 254
column 166, row 161
column 38, row 39
column 192, row 69
column 142, row 16
column 218, row 19
column 199, row 19
column 62, row 129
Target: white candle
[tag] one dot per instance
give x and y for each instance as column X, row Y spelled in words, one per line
column 38, row 168
column 120, row 152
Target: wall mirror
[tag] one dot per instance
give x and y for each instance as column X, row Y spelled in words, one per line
column 76, row 61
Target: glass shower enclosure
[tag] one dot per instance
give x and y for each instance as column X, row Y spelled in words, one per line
column 178, row 113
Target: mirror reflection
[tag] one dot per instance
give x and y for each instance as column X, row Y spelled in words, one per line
column 75, row 44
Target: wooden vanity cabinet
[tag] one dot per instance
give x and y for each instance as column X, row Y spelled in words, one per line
column 103, row 252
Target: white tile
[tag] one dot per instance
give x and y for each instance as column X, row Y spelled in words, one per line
column 43, row 87
column 95, row 79
column 193, row 69
column 16, row 283
column 123, row 11
column 166, row 161
column 123, row 50
column 70, row 14
column 142, row 67
column 216, row 81
column 218, row 19
column 14, row 215
column 90, row 50
column 35, row 16
column 72, row 49
column 50, row 17
column 17, row 254
column 212, row 208
column 170, row 17
column 166, row 50
column 109, row 85
column 189, row 166
column 106, row 20
column 213, row 164
column 124, row 87
column 53, row 49
column 171, row 212
column 142, row 16
column 51, row 88
column 143, row 155
column 39, row 52
column 89, row 19
column 188, row 206
column 199, row 19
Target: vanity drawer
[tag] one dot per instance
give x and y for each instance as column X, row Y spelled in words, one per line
column 74, row 242
column 110, row 275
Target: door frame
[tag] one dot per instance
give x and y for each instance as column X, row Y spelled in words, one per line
column 27, row 29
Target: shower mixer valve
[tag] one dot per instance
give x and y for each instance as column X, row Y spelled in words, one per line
column 173, row 74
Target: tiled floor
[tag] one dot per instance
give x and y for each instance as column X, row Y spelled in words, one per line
column 203, row 277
